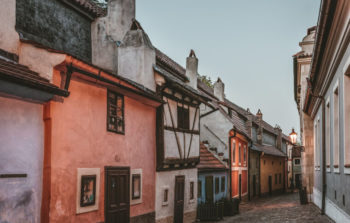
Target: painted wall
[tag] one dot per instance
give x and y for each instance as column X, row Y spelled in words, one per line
column 214, row 129
column 239, row 168
column 338, row 179
column 269, row 166
column 9, row 38
column 21, row 149
column 217, row 196
column 166, row 180
column 80, row 140
column 254, row 170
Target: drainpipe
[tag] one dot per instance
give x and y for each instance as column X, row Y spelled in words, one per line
column 249, row 188
column 324, row 182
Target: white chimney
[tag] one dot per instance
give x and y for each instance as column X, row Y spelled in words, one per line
column 136, row 57
column 192, row 69
column 219, row 90
column 108, row 31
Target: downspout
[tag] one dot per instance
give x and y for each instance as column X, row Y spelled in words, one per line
column 324, row 182
column 249, row 188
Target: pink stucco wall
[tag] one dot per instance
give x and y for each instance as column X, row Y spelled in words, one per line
column 80, row 140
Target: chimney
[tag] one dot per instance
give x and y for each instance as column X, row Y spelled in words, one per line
column 219, row 89
column 136, row 57
column 278, row 131
column 249, row 123
column 259, row 116
column 192, row 69
column 107, row 32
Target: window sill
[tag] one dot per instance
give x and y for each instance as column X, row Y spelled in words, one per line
column 346, row 170
column 165, row 203
column 191, row 201
column 328, row 170
column 336, row 170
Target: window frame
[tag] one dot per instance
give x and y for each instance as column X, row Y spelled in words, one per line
column 233, row 151
column 183, row 117
column 217, row 186
column 223, row 182
column 134, row 177
column 116, row 116
column 336, row 127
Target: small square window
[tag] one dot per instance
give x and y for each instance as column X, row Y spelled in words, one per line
column 136, row 186
column 223, row 183
column 297, row 161
column 165, row 196
column 115, row 112
column 191, row 190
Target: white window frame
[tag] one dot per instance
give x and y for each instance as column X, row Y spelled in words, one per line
column 139, row 200
column 328, row 134
column 346, row 122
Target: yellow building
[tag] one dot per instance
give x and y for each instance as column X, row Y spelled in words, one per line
column 272, row 170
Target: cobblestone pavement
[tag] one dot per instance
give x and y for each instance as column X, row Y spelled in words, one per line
column 282, row 208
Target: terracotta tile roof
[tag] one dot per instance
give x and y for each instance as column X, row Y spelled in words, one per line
column 89, row 7
column 17, row 73
column 208, row 161
column 270, row 150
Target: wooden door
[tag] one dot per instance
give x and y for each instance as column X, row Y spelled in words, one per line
column 179, row 199
column 240, row 186
column 209, row 189
column 117, row 195
column 298, row 180
column 270, row 185
column 254, row 185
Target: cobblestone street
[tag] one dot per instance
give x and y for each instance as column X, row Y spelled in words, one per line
column 283, row 208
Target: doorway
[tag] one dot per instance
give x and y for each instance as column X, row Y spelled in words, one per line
column 117, row 199
column 298, row 180
column 179, row 199
column 270, row 185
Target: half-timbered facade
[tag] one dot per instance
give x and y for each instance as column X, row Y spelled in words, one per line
column 177, row 139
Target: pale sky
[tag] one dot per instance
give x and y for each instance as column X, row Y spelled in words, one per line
column 248, row 44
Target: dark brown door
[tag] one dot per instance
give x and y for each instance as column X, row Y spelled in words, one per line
column 270, row 185
column 254, row 185
column 179, row 199
column 117, row 199
column 209, row 189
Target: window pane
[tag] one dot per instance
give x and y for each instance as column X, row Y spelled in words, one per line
column 223, row 183
column 115, row 106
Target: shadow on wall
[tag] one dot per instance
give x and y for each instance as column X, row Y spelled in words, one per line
column 17, row 209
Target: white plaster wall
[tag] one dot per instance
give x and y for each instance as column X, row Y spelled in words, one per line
column 192, row 116
column 9, row 38
column 171, row 147
column 21, row 149
column 166, row 179
column 218, row 124
column 167, row 114
column 40, row 60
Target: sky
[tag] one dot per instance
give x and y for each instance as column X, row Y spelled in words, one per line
column 248, row 44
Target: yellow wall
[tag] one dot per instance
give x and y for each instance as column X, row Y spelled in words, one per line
column 273, row 165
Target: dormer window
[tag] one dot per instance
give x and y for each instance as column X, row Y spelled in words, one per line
column 183, row 118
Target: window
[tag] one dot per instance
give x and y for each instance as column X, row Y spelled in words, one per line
column 115, row 112
column 297, row 161
column 336, row 128
column 199, row 191
column 328, row 135
column 233, row 151
column 191, row 190
column 239, row 153
column 317, row 143
column 165, row 196
column 136, row 186
column 217, row 185
column 276, row 178
column 347, row 120
column 245, row 153
column 183, row 118
column 280, row 178
column 223, row 183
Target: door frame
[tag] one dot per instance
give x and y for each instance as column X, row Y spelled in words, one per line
column 106, row 169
